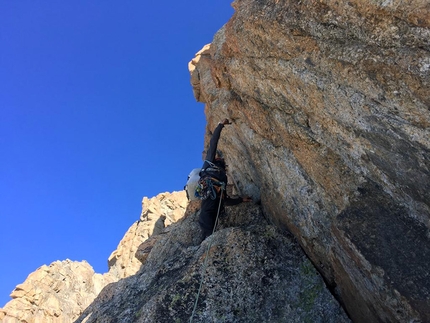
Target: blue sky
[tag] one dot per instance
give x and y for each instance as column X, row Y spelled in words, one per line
column 96, row 111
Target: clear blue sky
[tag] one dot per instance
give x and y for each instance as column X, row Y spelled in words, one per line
column 96, row 111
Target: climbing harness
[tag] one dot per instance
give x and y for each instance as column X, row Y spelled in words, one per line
column 207, row 256
column 208, row 187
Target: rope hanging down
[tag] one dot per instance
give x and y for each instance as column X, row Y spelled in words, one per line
column 206, row 258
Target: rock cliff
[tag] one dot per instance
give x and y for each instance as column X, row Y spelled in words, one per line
column 157, row 213
column 253, row 273
column 55, row 293
column 60, row 292
column 330, row 108
column 250, row 272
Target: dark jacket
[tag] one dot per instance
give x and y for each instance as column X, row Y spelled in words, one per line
column 209, row 208
column 208, row 169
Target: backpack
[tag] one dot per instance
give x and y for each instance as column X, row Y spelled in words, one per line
column 192, row 182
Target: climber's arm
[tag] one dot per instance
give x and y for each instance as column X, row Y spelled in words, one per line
column 213, row 145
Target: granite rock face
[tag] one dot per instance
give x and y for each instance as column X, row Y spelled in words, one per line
column 331, row 126
column 330, row 108
column 60, row 292
column 157, row 213
column 55, row 293
column 253, row 273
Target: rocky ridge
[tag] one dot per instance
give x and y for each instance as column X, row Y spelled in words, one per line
column 55, row 293
column 249, row 262
column 330, row 108
column 60, row 292
column 254, row 273
column 157, row 213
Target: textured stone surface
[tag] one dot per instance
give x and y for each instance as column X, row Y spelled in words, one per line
column 253, row 274
column 59, row 293
column 331, row 125
column 55, row 293
column 157, row 213
column 330, row 108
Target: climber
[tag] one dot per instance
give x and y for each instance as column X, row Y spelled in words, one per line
column 214, row 167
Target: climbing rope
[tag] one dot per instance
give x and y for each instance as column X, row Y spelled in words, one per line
column 206, row 258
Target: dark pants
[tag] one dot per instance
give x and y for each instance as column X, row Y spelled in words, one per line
column 208, row 215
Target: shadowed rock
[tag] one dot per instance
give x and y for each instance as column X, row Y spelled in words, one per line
column 331, row 125
column 59, row 293
column 253, row 274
